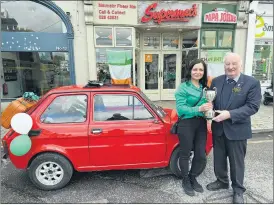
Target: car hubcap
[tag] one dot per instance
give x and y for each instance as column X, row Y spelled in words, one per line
column 49, row 173
column 189, row 162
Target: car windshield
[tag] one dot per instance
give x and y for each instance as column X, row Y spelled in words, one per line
column 158, row 109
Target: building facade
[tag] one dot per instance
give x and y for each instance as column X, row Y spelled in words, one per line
column 262, row 65
column 147, row 43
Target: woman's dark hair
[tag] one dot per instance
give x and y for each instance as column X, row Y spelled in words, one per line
column 203, row 80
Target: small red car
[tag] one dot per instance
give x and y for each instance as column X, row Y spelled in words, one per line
column 96, row 127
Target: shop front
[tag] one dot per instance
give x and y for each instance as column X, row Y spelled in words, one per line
column 37, row 48
column 167, row 40
column 217, row 35
column 262, row 68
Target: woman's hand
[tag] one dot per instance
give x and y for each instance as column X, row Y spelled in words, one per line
column 205, row 107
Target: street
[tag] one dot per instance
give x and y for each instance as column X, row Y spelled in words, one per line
column 146, row 186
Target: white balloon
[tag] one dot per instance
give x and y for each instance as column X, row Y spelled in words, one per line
column 21, row 123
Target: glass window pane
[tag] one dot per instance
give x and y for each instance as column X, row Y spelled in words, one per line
column 140, row 111
column 151, row 71
column 169, row 72
column 103, row 36
column 262, row 62
column 114, row 63
column 123, row 36
column 36, row 72
column 190, row 39
column 113, row 107
column 27, row 16
column 208, row 39
column 151, row 41
column 66, row 109
column 225, row 38
column 170, row 41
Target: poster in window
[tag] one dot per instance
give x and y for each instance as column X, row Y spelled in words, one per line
column 10, row 72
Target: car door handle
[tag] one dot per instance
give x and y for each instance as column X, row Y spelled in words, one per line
column 96, row 131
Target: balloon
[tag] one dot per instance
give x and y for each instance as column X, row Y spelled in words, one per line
column 20, row 145
column 21, row 123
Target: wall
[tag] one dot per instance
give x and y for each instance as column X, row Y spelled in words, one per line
column 76, row 9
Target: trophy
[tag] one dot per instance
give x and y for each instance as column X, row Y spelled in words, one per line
column 210, row 96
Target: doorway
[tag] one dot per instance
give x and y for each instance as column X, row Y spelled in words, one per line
column 161, row 74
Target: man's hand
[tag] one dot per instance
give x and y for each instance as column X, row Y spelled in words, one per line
column 224, row 114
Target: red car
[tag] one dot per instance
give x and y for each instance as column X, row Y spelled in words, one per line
column 96, row 127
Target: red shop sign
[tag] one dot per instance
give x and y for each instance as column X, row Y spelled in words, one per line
column 168, row 15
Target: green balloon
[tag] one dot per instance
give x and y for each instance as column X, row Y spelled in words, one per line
column 20, row 145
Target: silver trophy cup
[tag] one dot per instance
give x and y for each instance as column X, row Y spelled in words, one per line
column 210, row 96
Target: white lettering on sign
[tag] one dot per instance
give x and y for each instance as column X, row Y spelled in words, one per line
column 106, row 13
column 220, row 17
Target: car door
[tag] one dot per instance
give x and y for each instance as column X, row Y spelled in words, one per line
column 64, row 123
column 124, row 132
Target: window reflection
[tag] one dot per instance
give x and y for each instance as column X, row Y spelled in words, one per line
column 208, row 39
column 225, row 38
column 27, row 16
column 169, row 74
column 151, row 41
column 103, row 36
column 123, row 36
column 190, row 39
column 170, row 41
column 36, row 72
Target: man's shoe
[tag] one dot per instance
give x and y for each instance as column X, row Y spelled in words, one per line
column 217, row 185
column 195, row 185
column 187, row 187
column 238, row 198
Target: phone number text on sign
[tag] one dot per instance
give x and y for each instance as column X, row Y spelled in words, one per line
column 110, row 11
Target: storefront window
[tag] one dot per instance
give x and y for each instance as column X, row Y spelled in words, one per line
column 114, row 64
column 103, row 36
column 36, row 72
column 28, row 16
column 151, row 41
column 170, row 41
column 208, row 38
column 123, row 36
column 225, row 39
column 190, row 39
column 262, row 61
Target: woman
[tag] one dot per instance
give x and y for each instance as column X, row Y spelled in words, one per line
column 192, row 128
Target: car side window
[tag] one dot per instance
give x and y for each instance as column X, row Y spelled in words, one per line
column 119, row 107
column 66, row 109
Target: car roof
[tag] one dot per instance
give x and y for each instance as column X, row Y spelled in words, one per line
column 81, row 88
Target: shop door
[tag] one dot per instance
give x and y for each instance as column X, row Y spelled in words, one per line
column 161, row 75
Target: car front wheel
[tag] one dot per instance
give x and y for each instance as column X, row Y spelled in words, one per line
column 174, row 165
column 50, row 171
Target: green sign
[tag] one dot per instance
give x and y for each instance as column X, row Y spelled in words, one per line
column 216, row 56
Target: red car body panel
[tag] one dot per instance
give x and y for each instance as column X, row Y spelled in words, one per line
column 128, row 144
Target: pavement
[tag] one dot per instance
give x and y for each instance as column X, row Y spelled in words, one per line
column 262, row 121
column 146, row 186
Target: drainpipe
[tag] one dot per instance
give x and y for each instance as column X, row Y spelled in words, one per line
column 250, row 44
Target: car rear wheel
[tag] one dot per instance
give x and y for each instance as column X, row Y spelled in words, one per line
column 266, row 102
column 50, row 171
column 174, row 165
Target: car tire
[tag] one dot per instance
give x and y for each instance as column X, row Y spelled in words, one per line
column 174, row 163
column 266, row 102
column 41, row 176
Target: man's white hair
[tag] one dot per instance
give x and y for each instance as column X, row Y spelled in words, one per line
column 235, row 55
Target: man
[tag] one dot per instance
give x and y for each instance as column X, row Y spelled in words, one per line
column 238, row 97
